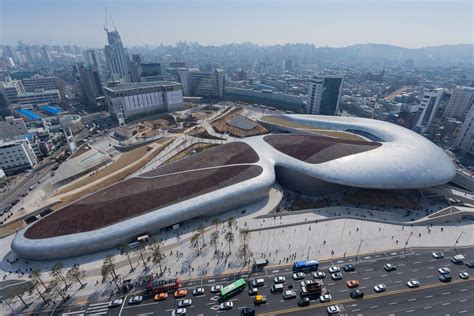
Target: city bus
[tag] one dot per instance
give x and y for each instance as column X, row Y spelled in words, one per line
column 232, row 289
column 306, row 265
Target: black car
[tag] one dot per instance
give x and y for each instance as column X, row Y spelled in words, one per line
column 357, row 294
column 445, row 278
column 470, row 264
column 253, row 291
column 348, row 267
column 305, row 301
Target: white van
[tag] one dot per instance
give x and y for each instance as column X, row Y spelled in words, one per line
column 457, row 259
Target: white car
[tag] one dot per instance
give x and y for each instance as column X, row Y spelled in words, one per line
column 464, row 275
column 334, row 269
column 216, row 288
column 289, row 294
column 198, row 291
column 298, row 275
column 179, row 312
column 306, row 282
column 135, row 299
column 116, row 302
column 444, row 270
column 318, row 274
column 325, row 298
column 333, row 309
column 258, row 282
column 437, row 254
column 379, row 288
column 390, row 267
column 413, row 283
column 225, row 306
column 185, row 303
column 279, row 279
column 336, row 276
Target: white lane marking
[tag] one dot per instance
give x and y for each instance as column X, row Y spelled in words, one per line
column 429, row 276
column 415, row 270
column 375, row 306
column 445, row 293
column 399, row 281
column 399, row 273
column 427, row 307
column 444, row 304
column 365, row 278
column 431, row 268
column 462, row 301
column 462, row 312
column 392, row 303
column 463, row 290
column 410, row 311
column 432, row 260
column 401, row 264
column 412, row 300
column 149, row 313
column 342, row 291
column 356, row 310
column 417, row 262
column 368, row 270
column 429, row 296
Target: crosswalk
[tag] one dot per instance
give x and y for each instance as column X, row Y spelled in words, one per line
column 98, row 309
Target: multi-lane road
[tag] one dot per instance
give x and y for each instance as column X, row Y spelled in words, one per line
column 431, row 298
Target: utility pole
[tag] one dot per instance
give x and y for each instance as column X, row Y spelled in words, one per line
column 406, row 243
column 457, row 240
column 358, row 249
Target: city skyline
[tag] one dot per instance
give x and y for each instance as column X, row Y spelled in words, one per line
column 333, row 24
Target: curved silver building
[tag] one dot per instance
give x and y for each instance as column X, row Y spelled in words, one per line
column 322, row 154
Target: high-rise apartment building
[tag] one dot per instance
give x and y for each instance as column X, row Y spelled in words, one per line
column 12, row 127
column 324, row 94
column 10, row 90
column 460, row 103
column 117, row 59
column 432, row 103
column 92, row 59
column 465, row 138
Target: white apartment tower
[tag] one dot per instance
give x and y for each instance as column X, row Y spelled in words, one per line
column 460, row 103
column 323, row 95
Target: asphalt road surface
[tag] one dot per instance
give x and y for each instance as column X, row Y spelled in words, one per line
column 431, row 298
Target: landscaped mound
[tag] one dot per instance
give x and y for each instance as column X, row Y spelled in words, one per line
column 137, row 196
column 227, row 154
column 317, row 149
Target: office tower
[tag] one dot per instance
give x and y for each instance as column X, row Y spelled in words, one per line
column 208, row 84
column 431, row 104
column 40, row 82
column 465, row 138
column 151, row 71
column 460, row 103
column 92, row 59
column 133, row 100
column 117, row 59
column 324, row 94
column 135, row 68
column 91, row 87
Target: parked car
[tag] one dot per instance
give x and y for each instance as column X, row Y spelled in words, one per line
column 437, row 254
column 161, row 296
column 464, row 275
column 277, row 288
column 180, row 293
column 253, row 291
column 352, row 283
column 258, row 282
column 334, row 269
column 470, row 264
column 185, row 303
column 445, row 278
column 444, row 270
column 304, row 301
column 179, row 312
column 279, row 279
column 333, row 309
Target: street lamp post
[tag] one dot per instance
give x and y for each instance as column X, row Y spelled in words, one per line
column 457, row 240
column 406, row 243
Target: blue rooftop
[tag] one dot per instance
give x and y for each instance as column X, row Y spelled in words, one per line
column 28, row 114
column 51, row 109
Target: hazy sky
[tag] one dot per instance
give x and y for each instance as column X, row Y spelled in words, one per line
column 320, row 22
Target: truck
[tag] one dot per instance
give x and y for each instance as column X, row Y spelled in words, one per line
column 314, row 290
column 157, row 286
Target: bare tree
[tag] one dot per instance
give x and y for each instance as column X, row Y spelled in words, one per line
column 158, row 256
column 56, row 272
column 19, row 292
column 229, row 237
column 35, row 275
column 108, row 270
column 231, row 222
column 214, row 241
column 35, row 286
column 55, row 284
column 194, row 241
column 126, row 251
column 216, row 221
column 76, row 274
column 245, row 253
column 202, row 231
